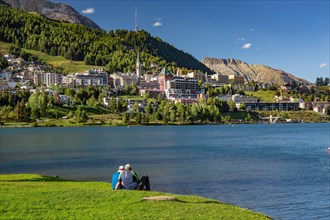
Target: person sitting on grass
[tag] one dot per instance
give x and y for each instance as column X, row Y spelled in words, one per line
column 115, row 177
column 130, row 180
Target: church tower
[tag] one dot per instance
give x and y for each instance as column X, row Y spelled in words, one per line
column 138, row 65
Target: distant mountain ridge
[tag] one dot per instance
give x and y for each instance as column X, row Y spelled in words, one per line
column 255, row 72
column 56, row 11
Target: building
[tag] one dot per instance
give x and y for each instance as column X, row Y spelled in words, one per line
column 197, row 76
column 152, row 85
column 152, row 93
column 225, row 98
column 219, row 78
column 164, row 76
column 261, row 106
column 182, row 87
column 236, row 79
column 53, row 79
column 321, row 107
column 123, row 79
column 47, row 79
column 95, row 79
column 240, row 99
column 148, row 77
column 138, row 66
column 186, row 101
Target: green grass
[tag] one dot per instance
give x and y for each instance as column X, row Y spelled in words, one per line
column 4, row 47
column 32, row 196
column 57, row 61
column 266, row 96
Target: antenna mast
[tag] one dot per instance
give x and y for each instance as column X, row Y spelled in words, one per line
column 136, row 21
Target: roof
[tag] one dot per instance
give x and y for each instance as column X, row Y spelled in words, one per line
column 165, row 71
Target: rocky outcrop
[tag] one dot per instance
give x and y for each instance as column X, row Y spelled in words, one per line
column 255, row 72
column 56, row 11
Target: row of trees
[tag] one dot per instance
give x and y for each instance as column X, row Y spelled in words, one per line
column 322, row 82
column 165, row 111
column 117, row 49
column 29, row 107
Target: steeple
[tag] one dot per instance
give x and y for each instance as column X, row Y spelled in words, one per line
column 136, row 21
column 138, row 64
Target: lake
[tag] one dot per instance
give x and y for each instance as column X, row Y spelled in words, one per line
column 281, row 170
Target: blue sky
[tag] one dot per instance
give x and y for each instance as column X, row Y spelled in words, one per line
column 288, row 35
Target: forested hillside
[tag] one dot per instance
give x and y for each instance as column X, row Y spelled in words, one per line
column 116, row 49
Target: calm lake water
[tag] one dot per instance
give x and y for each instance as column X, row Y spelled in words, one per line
column 281, row 170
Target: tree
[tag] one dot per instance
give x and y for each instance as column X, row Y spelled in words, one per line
column 34, row 106
column 138, row 118
column 80, row 115
column 125, row 118
column 112, row 105
column 232, row 106
column 242, row 106
column 4, row 113
column 248, row 117
column 22, row 113
column 92, row 102
column 3, row 62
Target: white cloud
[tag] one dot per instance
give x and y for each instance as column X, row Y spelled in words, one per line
column 157, row 24
column 251, row 29
column 323, row 65
column 241, row 39
column 88, row 11
column 246, row 46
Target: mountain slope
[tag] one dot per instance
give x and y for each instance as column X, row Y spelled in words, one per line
column 117, row 49
column 56, row 11
column 255, row 72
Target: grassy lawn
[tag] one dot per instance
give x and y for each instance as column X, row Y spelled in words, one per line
column 32, row 196
column 266, row 96
column 4, row 47
column 57, row 61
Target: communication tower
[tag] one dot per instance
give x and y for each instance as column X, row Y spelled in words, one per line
column 136, row 21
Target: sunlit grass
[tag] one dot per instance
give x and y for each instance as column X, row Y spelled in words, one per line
column 4, row 47
column 266, row 96
column 69, row 66
column 31, row 196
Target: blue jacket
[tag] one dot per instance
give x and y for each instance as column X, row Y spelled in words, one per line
column 115, row 178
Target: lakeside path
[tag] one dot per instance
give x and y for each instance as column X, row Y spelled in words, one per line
column 33, row 196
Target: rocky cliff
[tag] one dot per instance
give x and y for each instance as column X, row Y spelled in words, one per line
column 56, row 11
column 255, row 72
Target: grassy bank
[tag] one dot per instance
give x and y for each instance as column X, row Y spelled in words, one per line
column 31, row 196
column 68, row 66
column 99, row 117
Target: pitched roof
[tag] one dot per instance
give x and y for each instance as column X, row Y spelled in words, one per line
column 165, row 71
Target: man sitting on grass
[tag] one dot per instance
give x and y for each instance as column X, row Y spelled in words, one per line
column 115, row 177
column 130, row 180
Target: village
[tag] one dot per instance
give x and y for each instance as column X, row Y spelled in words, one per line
column 176, row 87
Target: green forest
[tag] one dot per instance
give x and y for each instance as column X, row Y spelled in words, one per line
column 116, row 49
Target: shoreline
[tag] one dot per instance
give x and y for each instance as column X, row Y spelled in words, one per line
column 150, row 125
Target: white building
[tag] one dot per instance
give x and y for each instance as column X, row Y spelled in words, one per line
column 219, row 78
column 122, row 79
column 79, row 79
